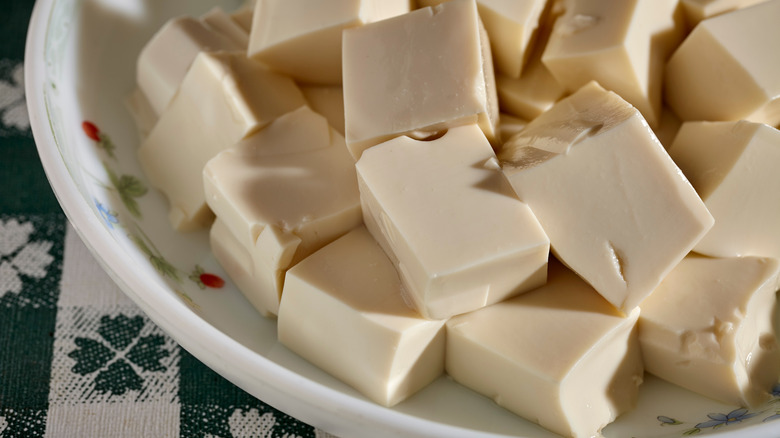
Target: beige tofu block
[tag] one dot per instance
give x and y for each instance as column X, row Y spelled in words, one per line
column 223, row 98
column 698, row 10
column 166, row 58
column 536, row 90
column 709, row 328
column 733, row 167
column 512, row 28
column 622, row 45
column 342, row 309
column 222, row 23
column 617, row 209
column 446, row 81
column 727, row 68
column 328, row 101
column 244, row 14
column 294, row 185
column 256, row 269
column 509, row 126
column 450, row 223
column 559, row 356
column 668, row 127
column 303, row 39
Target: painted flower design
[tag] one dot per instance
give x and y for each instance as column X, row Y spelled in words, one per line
column 205, row 279
column 19, row 257
column 3, row 425
column 120, row 354
column 103, row 140
column 13, row 107
column 110, row 217
column 668, row 421
column 718, row 420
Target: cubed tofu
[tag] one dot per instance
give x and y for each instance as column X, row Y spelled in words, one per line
column 166, row 58
column 343, row 310
column 450, row 223
column 709, row 328
column 303, row 39
column 536, row 90
column 698, row 10
column 292, row 185
column 224, row 98
column 328, row 101
column 220, row 22
column 733, row 167
column 509, row 126
column 560, row 356
column 622, row 45
column 616, row 208
column 727, row 68
column 511, row 26
column 428, row 70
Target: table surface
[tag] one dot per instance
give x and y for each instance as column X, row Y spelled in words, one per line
column 78, row 358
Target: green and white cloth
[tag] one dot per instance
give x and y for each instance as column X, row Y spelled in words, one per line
column 78, row 358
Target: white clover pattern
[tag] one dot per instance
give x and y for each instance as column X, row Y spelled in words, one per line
column 20, row 257
column 13, row 107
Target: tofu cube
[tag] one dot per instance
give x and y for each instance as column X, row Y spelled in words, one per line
column 621, row 45
column 560, row 356
column 166, row 58
column 343, row 310
column 726, row 69
column 698, row 10
column 283, row 193
column 223, row 98
column 328, row 101
column 616, row 208
column 733, row 166
column 303, row 39
column 425, row 71
column 709, row 328
column 448, row 220
column 220, row 22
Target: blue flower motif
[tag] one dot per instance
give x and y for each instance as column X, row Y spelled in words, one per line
column 667, row 421
column 775, row 390
column 718, row 420
column 108, row 216
column 771, row 417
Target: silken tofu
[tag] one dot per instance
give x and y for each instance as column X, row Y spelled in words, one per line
column 303, row 39
column 166, row 58
column 616, row 208
column 512, row 28
column 727, row 68
column 343, row 310
column 698, row 10
column 708, row 328
column 224, row 98
column 622, row 45
column 328, row 101
column 392, row 90
column 733, row 166
column 448, row 220
column 560, row 356
column 283, row 193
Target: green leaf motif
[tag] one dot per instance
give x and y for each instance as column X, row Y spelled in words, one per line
column 148, row 352
column 694, row 431
column 90, row 356
column 129, row 188
column 118, row 378
column 106, row 144
column 120, row 331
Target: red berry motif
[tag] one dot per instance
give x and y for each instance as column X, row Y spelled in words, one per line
column 91, row 130
column 212, row 281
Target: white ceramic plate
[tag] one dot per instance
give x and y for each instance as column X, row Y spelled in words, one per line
column 80, row 66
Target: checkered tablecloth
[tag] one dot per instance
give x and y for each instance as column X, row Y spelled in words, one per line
column 78, row 358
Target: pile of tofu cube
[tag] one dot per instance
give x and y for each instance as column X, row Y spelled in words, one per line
column 542, row 199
